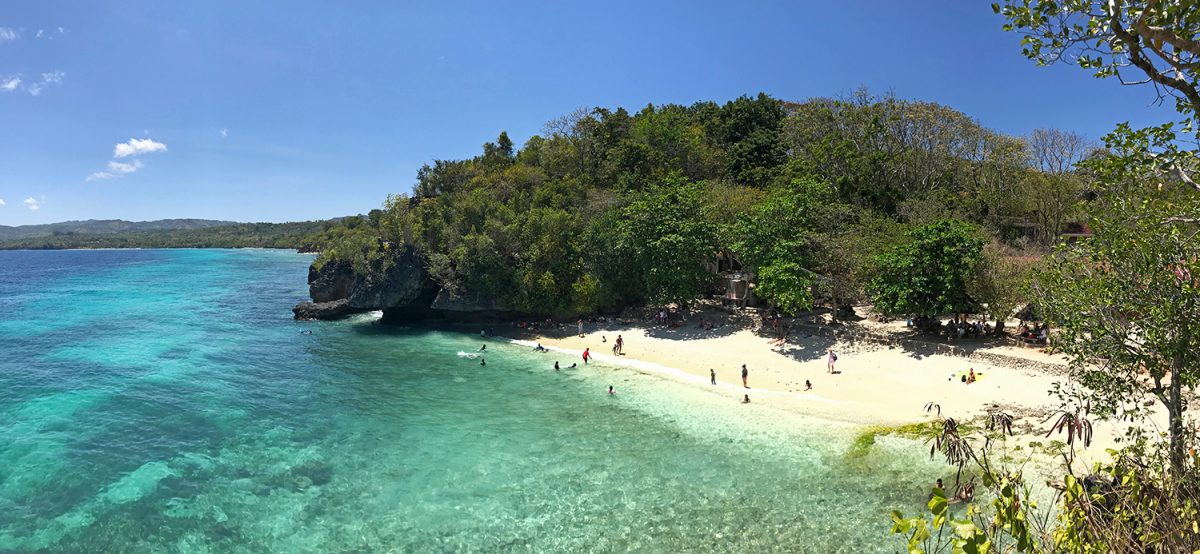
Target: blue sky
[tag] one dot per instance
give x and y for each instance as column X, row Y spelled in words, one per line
column 257, row 111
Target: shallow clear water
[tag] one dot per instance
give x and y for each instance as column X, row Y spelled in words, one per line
column 157, row 400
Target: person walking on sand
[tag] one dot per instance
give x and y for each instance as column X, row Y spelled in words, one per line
column 619, row 345
column 831, row 360
column 587, row 354
column 745, row 373
column 807, row 384
column 712, row 373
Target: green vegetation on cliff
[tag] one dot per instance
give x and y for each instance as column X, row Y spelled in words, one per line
column 609, row 208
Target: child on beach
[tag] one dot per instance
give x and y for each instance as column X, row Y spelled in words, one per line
column 832, row 360
column 746, row 399
column 807, row 384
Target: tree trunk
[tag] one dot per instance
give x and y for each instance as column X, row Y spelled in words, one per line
column 1175, row 415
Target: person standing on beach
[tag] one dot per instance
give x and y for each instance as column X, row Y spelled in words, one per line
column 712, row 373
column 586, row 355
column 619, row 346
column 745, row 373
column 831, row 360
column 580, row 328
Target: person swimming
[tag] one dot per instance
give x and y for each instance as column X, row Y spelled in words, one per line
column 306, row 332
column 482, row 361
column 539, row 348
column 555, row 365
column 573, row 366
column 482, row 348
column 610, row 390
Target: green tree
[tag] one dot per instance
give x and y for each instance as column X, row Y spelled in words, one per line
column 928, row 275
column 1127, row 303
column 776, row 240
column 664, row 237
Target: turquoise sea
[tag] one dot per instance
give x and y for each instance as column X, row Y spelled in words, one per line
column 165, row 401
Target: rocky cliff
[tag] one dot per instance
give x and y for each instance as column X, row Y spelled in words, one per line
column 398, row 284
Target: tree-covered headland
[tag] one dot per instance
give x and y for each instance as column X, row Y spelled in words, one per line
column 820, row 201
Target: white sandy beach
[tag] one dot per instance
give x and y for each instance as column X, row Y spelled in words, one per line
column 876, row 384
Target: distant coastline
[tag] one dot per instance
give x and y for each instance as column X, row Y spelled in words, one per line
column 176, row 233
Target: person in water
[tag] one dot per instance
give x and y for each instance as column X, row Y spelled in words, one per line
column 807, row 384
column 555, row 365
column 745, row 373
column 746, row 399
column 482, row 348
column 610, row 390
column 573, row 366
column 712, row 375
column 306, row 332
column 587, row 354
column 482, row 361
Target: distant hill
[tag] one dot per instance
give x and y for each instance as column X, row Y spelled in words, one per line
column 175, row 233
column 106, row 226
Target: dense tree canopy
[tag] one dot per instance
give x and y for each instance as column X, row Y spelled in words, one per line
column 929, row 274
column 609, row 208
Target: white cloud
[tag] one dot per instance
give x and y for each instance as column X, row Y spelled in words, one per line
column 8, row 33
column 1, row 202
column 224, row 133
column 137, row 147
column 35, row 89
column 10, row 83
column 32, row 203
column 118, row 167
column 60, row 30
column 54, row 77
column 39, row 34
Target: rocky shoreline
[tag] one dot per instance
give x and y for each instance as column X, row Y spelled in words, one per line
column 398, row 284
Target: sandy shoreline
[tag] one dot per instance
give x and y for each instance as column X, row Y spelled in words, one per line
column 876, row 384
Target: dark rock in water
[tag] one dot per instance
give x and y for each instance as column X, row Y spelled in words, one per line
column 336, row 309
column 396, row 282
column 334, row 281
